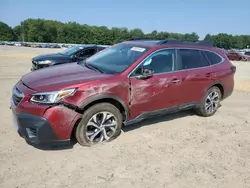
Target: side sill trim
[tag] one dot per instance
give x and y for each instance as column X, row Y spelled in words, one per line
column 164, row 111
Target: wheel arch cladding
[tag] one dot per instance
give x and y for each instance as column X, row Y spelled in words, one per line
column 116, row 101
column 220, row 86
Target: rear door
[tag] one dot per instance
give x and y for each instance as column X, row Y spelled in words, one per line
column 160, row 91
column 197, row 76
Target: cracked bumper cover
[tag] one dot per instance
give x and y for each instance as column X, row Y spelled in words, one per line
column 36, row 130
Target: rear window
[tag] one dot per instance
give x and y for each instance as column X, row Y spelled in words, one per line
column 213, row 57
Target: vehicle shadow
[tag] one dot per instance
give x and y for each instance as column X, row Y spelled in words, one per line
column 158, row 119
column 46, row 147
column 146, row 122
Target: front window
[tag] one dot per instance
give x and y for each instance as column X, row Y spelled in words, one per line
column 160, row 62
column 117, row 58
column 72, row 50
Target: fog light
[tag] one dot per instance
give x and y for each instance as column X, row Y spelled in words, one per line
column 31, row 132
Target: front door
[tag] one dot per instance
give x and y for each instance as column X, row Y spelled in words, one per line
column 160, row 91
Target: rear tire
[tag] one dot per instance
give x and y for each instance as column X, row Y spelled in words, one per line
column 99, row 123
column 210, row 103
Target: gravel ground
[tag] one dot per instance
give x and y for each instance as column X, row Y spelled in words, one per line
column 174, row 151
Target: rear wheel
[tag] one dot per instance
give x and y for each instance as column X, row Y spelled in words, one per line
column 210, row 103
column 100, row 123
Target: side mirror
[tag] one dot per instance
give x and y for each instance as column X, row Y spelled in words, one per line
column 145, row 73
column 74, row 57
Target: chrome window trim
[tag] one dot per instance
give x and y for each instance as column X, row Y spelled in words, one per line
column 178, row 48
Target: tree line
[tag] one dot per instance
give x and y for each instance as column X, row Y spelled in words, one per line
column 51, row 31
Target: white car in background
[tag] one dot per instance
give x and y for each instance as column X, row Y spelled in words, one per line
column 18, row 44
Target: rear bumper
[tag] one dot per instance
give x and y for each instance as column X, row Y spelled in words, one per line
column 36, row 130
column 227, row 95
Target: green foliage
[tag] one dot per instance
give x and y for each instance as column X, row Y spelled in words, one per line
column 223, row 40
column 40, row 30
column 6, row 32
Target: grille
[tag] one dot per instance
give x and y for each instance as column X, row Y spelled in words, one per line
column 17, row 96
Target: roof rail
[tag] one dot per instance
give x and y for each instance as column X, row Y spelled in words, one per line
column 206, row 43
column 131, row 39
column 175, row 41
column 198, row 43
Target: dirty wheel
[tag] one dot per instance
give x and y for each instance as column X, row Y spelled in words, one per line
column 100, row 123
column 210, row 102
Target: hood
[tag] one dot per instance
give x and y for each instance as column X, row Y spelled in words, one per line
column 50, row 57
column 58, row 77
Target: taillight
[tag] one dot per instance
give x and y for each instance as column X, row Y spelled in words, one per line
column 233, row 68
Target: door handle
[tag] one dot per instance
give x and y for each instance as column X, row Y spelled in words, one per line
column 208, row 74
column 175, row 81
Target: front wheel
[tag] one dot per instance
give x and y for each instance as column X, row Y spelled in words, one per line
column 210, row 103
column 99, row 123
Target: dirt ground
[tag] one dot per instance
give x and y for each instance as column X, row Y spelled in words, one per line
column 175, row 151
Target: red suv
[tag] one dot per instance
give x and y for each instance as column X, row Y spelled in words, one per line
column 232, row 55
column 140, row 78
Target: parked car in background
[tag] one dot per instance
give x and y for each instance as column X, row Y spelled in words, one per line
column 73, row 54
column 10, row 43
column 53, row 46
column 236, row 56
column 91, row 100
column 247, row 53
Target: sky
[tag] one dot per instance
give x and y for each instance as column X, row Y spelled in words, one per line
column 181, row 16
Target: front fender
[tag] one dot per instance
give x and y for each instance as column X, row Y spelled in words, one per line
column 99, row 97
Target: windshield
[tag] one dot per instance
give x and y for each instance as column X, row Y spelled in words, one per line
column 72, row 50
column 117, row 58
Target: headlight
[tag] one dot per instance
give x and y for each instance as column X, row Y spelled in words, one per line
column 46, row 62
column 51, row 97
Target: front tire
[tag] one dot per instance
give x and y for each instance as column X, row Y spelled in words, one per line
column 210, row 103
column 100, row 123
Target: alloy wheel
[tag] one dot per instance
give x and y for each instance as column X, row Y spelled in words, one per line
column 212, row 101
column 101, row 127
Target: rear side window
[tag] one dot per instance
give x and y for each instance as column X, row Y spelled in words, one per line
column 192, row 58
column 213, row 57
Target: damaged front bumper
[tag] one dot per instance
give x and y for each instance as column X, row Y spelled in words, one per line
column 36, row 130
column 54, row 127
